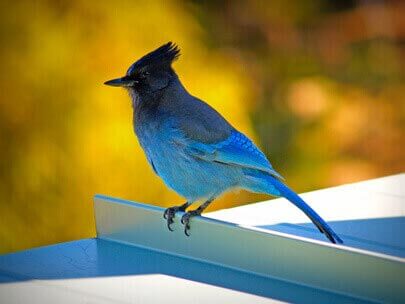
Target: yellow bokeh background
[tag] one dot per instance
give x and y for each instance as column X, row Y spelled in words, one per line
column 65, row 136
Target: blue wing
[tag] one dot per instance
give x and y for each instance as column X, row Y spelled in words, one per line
column 237, row 149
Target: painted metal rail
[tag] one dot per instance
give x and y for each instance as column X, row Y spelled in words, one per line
column 354, row 272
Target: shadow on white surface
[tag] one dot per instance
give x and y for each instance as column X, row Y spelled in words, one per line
column 383, row 235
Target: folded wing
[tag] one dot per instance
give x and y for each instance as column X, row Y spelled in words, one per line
column 237, row 150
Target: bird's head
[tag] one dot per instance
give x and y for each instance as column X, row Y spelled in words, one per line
column 151, row 73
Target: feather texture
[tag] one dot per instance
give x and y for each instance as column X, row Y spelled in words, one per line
column 192, row 147
column 236, row 150
column 161, row 57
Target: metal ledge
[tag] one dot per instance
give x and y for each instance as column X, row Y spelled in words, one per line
column 340, row 269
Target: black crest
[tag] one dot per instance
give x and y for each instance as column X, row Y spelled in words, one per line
column 162, row 56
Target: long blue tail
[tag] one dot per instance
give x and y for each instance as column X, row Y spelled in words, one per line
column 299, row 202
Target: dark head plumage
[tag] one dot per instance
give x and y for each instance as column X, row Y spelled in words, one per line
column 150, row 73
column 161, row 57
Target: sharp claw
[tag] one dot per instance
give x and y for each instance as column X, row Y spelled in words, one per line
column 186, row 229
column 169, row 225
column 168, row 215
column 185, row 219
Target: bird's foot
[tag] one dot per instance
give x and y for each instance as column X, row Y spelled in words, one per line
column 185, row 219
column 170, row 214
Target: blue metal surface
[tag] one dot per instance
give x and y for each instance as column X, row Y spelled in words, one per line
column 95, row 258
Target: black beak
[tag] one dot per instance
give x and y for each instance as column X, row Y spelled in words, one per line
column 121, row 82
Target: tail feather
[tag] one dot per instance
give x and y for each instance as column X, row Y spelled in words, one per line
column 299, row 202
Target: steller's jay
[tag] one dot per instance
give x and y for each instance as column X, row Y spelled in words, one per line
column 192, row 147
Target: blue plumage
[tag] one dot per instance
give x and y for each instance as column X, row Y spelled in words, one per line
column 192, row 147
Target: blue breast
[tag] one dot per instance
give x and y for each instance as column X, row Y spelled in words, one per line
column 193, row 178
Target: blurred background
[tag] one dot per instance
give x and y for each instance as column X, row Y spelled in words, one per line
column 318, row 84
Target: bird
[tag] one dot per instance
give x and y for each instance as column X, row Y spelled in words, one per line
column 192, row 147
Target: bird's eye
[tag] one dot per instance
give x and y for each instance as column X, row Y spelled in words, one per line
column 144, row 75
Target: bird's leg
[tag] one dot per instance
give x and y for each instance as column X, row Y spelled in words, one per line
column 185, row 219
column 170, row 213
